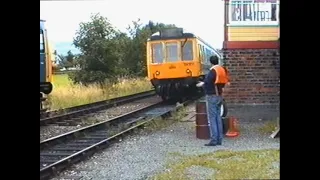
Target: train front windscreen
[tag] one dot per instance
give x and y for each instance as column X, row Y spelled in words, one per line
column 169, row 51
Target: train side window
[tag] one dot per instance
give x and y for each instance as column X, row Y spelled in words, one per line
column 172, row 52
column 208, row 54
column 204, row 54
column 187, row 51
column 41, row 42
column 157, row 53
column 199, row 48
column 200, row 53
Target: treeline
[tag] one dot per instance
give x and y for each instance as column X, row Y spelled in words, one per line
column 65, row 61
column 107, row 53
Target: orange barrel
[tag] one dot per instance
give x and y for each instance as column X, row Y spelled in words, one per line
column 202, row 127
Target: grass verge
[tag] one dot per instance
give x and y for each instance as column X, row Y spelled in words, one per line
column 255, row 164
column 269, row 126
column 160, row 123
column 66, row 94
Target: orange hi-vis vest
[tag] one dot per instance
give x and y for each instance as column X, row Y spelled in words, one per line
column 222, row 76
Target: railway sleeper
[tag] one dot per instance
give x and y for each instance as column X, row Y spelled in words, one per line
column 74, row 119
column 56, row 154
column 134, row 120
column 87, row 144
column 87, row 141
column 66, row 148
column 100, row 138
column 71, row 177
column 97, row 134
column 48, row 161
column 59, row 123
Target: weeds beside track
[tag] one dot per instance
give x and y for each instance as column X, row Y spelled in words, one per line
column 74, row 112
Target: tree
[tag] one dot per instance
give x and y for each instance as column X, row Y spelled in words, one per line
column 55, row 61
column 107, row 53
column 136, row 50
column 65, row 61
column 99, row 53
column 70, row 57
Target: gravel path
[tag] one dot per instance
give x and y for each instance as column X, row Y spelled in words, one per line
column 144, row 155
column 55, row 130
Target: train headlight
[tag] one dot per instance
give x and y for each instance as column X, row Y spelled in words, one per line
column 188, row 71
column 157, row 72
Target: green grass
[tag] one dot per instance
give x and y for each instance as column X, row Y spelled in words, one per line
column 160, row 123
column 269, row 126
column 255, row 164
column 66, row 94
column 60, row 80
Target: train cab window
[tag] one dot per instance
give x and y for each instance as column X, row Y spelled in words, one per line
column 41, row 42
column 157, row 53
column 187, row 51
column 172, row 52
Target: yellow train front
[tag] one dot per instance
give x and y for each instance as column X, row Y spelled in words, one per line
column 176, row 62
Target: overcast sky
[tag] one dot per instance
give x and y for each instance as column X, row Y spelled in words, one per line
column 203, row 17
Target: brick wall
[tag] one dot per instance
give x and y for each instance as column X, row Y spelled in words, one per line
column 254, row 76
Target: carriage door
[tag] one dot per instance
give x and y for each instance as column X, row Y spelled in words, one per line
column 42, row 58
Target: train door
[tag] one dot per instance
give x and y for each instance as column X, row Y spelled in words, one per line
column 42, row 57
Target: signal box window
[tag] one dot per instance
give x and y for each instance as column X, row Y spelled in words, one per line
column 41, row 42
column 187, row 51
column 254, row 12
column 157, row 53
column 172, row 52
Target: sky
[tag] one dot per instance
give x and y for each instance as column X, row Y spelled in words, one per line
column 202, row 17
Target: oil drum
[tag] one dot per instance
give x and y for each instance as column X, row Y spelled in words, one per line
column 202, row 127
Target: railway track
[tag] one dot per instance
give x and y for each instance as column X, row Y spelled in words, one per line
column 70, row 114
column 62, row 151
column 42, row 108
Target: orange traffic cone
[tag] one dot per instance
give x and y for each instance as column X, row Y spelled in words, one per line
column 233, row 130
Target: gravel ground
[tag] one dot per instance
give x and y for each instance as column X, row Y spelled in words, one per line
column 55, row 130
column 144, row 155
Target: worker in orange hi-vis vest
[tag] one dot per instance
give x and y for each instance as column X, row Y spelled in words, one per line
column 213, row 85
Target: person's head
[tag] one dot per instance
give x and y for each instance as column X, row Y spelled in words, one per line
column 214, row 60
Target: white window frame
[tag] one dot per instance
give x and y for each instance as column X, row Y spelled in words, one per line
column 250, row 23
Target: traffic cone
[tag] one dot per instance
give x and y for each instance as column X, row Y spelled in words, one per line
column 233, row 130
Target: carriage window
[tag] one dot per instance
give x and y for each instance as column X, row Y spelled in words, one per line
column 187, row 51
column 208, row 55
column 200, row 53
column 172, row 52
column 204, row 54
column 157, row 53
column 41, row 42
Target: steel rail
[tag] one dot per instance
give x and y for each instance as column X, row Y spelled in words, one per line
column 92, row 107
column 64, row 150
